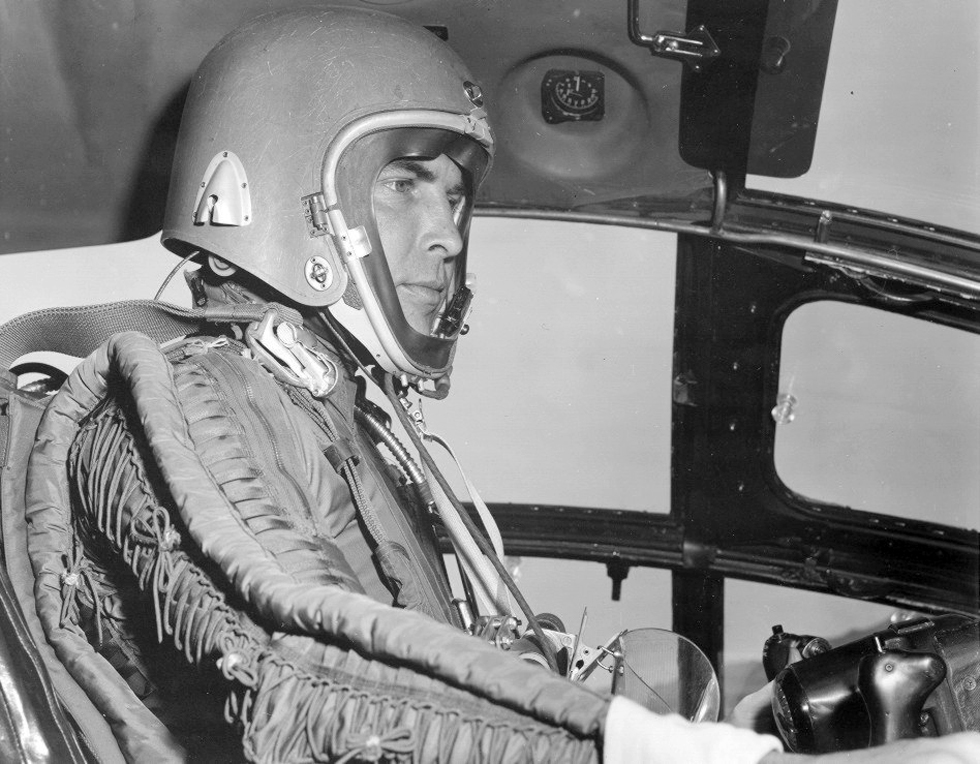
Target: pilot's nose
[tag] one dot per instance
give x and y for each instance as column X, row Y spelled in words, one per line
column 441, row 236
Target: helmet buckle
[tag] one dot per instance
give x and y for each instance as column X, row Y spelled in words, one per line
column 223, row 197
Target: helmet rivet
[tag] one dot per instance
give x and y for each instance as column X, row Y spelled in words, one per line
column 318, row 273
column 474, row 93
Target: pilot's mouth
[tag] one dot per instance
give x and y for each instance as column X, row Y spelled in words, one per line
column 422, row 304
column 423, row 294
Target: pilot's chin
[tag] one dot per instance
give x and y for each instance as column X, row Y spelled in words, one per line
column 424, row 322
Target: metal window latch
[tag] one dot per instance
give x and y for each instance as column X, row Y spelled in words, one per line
column 695, row 49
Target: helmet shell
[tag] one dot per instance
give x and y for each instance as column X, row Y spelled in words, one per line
column 274, row 94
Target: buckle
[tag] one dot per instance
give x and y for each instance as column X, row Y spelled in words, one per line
column 278, row 346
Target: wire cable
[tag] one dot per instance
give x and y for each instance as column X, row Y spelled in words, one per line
column 174, row 272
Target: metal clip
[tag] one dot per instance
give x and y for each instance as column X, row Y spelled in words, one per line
column 278, row 346
column 586, row 660
column 417, row 417
column 822, row 233
column 498, row 630
column 696, row 49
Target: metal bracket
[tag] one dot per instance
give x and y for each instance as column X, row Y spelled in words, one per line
column 315, row 212
column 223, row 197
column 498, row 630
column 695, row 49
column 279, row 346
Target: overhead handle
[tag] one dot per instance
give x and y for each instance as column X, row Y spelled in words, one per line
column 695, row 49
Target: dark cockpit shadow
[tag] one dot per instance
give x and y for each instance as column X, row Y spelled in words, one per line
column 148, row 195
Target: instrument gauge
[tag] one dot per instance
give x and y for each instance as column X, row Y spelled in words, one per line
column 573, row 96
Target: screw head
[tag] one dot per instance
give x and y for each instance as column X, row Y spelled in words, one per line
column 319, row 275
column 474, row 93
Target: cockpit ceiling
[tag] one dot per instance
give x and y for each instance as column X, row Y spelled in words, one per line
column 92, row 92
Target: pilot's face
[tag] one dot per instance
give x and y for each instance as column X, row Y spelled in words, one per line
column 416, row 206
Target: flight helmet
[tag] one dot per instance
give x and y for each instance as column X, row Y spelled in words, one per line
column 288, row 123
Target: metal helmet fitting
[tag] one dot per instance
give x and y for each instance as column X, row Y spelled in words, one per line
column 287, row 125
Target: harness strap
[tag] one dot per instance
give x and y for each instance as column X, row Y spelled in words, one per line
column 79, row 330
column 339, row 452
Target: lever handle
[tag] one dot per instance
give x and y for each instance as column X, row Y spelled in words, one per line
column 894, row 685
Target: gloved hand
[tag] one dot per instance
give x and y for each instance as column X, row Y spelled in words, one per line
column 754, row 712
column 634, row 735
column 961, row 748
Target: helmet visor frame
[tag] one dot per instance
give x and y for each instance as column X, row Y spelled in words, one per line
column 352, row 165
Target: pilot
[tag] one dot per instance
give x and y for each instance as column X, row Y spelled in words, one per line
column 275, row 523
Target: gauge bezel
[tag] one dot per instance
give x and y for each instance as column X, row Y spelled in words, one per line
column 555, row 108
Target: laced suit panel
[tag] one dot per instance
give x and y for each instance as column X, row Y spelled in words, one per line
column 321, row 665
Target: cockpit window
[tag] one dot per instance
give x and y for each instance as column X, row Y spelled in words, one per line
column 879, row 412
column 566, row 372
column 898, row 127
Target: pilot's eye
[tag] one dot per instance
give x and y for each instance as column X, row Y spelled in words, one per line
column 399, row 185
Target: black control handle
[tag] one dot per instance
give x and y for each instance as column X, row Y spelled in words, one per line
column 894, row 685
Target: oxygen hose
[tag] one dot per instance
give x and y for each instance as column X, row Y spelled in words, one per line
column 477, row 534
column 473, row 563
column 383, row 434
column 490, row 594
column 377, row 428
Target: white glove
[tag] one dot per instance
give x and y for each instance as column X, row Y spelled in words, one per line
column 635, row 735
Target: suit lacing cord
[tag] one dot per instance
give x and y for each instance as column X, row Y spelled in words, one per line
column 116, row 502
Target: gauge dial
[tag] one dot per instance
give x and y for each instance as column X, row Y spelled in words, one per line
column 572, row 96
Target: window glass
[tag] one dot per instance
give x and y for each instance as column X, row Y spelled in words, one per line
column 561, row 390
column 899, row 126
column 880, row 412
